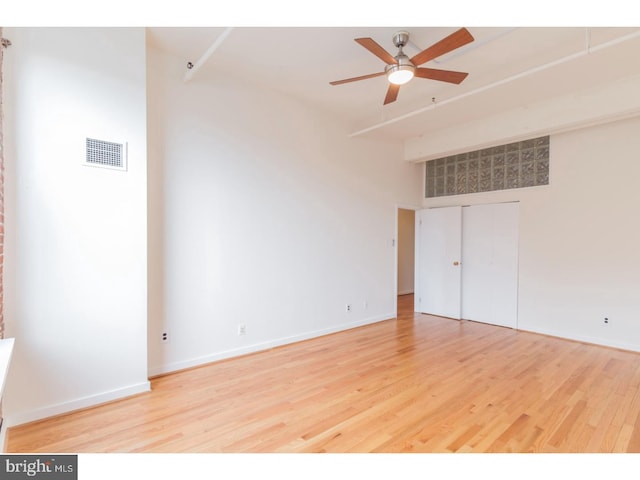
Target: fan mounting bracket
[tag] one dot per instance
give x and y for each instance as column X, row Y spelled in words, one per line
column 401, row 38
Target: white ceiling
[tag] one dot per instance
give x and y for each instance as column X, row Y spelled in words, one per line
column 508, row 68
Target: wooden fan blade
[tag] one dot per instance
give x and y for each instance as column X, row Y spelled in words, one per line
column 354, row 79
column 371, row 45
column 447, row 44
column 392, row 93
column 441, row 75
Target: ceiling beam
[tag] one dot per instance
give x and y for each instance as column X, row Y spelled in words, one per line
column 203, row 59
column 587, row 50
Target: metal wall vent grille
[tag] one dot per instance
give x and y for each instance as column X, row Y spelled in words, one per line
column 106, row 154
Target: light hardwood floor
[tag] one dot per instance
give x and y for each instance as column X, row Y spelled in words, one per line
column 416, row 384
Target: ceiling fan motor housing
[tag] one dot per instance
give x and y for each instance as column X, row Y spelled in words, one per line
column 403, row 70
column 403, row 61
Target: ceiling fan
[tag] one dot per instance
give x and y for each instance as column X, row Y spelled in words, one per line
column 401, row 69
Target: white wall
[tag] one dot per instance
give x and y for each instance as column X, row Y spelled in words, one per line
column 262, row 212
column 579, row 237
column 75, row 278
column 406, row 250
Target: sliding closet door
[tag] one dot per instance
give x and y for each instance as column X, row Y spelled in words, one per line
column 490, row 263
column 438, row 252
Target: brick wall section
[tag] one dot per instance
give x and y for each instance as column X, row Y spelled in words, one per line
column 1, row 212
column 1, row 202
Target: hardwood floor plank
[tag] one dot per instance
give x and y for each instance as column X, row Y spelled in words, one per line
column 417, row 383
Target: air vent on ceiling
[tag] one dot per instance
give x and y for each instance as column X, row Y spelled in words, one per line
column 101, row 153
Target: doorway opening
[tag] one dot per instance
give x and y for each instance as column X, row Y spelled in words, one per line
column 405, row 254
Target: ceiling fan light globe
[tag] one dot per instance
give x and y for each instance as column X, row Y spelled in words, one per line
column 400, row 75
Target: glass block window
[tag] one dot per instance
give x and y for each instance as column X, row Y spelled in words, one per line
column 515, row 165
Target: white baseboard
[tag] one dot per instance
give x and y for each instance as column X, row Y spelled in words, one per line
column 257, row 347
column 585, row 339
column 80, row 403
column 94, row 400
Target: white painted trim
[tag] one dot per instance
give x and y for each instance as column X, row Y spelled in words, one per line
column 407, row 207
column 80, row 403
column 258, row 347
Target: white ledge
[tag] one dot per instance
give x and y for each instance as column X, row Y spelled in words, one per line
column 6, row 349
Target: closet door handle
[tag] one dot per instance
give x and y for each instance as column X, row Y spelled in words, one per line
column 456, row 263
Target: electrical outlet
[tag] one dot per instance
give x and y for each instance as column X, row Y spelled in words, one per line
column 606, row 320
column 242, row 329
column 348, row 307
column 165, row 337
